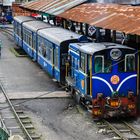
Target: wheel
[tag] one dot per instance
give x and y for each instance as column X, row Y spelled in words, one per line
column 77, row 97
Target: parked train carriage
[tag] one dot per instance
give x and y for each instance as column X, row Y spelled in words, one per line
column 53, row 50
column 106, row 74
column 72, row 72
column 30, row 30
column 18, row 21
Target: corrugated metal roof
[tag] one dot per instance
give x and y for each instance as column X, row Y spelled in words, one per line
column 53, row 7
column 110, row 16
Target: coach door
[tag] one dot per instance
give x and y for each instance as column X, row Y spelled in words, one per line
column 56, row 64
column 85, row 73
column 89, row 75
column 34, row 53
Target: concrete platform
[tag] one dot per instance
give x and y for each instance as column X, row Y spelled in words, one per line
column 39, row 95
column 22, row 77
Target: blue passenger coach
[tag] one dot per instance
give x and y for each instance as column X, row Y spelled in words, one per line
column 46, row 44
column 104, row 75
column 53, row 50
column 30, row 30
column 18, row 21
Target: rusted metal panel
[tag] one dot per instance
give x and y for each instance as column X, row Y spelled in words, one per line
column 53, row 7
column 109, row 16
column 17, row 11
column 123, row 18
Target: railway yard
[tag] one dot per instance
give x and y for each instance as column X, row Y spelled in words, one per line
column 70, row 70
column 40, row 114
column 53, row 118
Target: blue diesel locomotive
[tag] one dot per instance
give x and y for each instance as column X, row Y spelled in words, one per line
column 99, row 74
column 103, row 75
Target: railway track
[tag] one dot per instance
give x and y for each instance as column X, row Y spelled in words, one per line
column 14, row 119
column 122, row 129
column 7, row 30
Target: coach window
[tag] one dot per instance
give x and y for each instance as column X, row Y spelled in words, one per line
column 24, row 35
column 34, row 42
column 14, row 26
column 51, row 55
column 129, row 62
column 39, row 45
column 56, row 60
column 30, row 39
column 19, row 30
column 43, row 48
column 99, row 64
column 82, row 64
column 49, row 51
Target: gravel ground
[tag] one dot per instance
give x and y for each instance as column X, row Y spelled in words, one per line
column 21, row 74
column 59, row 119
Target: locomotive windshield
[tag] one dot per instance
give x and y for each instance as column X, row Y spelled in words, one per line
column 127, row 64
column 102, row 64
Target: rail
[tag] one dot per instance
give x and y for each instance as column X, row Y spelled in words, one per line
column 14, row 111
column 7, row 31
column 4, row 127
column 128, row 128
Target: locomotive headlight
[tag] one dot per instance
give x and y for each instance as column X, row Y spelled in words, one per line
column 130, row 94
column 99, row 96
column 114, row 103
column 131, row 106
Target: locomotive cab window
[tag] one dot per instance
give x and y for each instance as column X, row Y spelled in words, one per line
column 99, row 64
column 129, row 62
column 83, row 62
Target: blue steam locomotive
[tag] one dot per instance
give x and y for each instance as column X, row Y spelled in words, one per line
column 103, row 76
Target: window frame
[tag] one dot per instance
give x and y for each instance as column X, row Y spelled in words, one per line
column 99, row 56
column 49, row 51
column 85, row 65
column 56, row 61
column 126, row 55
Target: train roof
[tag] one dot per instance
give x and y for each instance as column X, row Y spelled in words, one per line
column 21, row 19
column 35, row 25
column 58, row 35
column 76, row 46
column 91, row 48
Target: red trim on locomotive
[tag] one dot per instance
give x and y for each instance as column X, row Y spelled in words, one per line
column 117, row 106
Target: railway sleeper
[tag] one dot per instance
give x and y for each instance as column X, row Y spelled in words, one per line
column 35, row 137
column 23, row 117
column 19, row 112
column 26, row 121
column 122, row 131
column 30, row 126
column 31, row 131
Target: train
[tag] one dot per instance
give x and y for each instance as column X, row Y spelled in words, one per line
column 102, row 76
